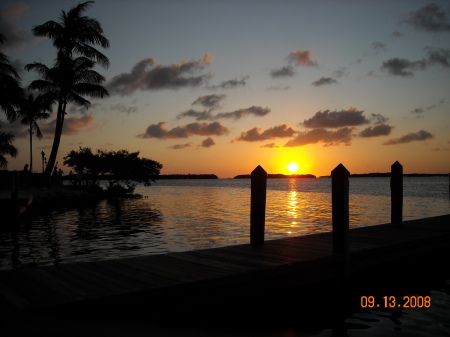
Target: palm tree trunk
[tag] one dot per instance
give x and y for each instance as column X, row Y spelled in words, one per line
column 31, row 148
column 56, row 140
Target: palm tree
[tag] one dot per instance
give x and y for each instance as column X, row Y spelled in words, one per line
column 10, row 90
column 33, row 109
column 6, row 148
column 66, row 87
column 10, row 94
column 71, row 78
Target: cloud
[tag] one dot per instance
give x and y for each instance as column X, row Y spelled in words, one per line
column 329, row 138
column 429, row 18
column 438, row 56
column 72, row 126
column 237, row 114
column 376, row 131
column 255, row 134
column 208, row 142
column 148, row 75
column 230, row 84
column 287, row 71
column 378, row 118
column 122, row 108
column 201, row 129
column 212, row 102
column 209, row 101
column 180, row 146
column 428, row 108
column 324, row 81
column 302, row 57
column 341, row 72
column 396, row 34
column 271, row 146
column 279, row 87
column 199, row 115
column 378, row 46
column 336, row 119
column 402, row 67
column 411, row 136
column 15, row 37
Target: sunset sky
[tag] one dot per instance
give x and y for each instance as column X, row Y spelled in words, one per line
column 223, row 86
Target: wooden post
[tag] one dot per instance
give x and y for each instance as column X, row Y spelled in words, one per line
column 258, row 205
column 15, row 185
column 340, row 218
column 396, row 193
column 340, row 208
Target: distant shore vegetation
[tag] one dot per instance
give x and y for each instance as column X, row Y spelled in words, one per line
column 270, row 176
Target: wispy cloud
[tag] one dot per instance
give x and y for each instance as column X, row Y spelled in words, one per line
column 201, row 129
column 378, row 46
column 429, row 18
column 147, row 74
column 286, row 71
column 324, row 81
column 256, row 134
column 180, row 146
column 336, row 119
column 237, row 114
column 428, row 108
column 122, row 108
column 231, row 84
column 411, row 136
column 212, row 103
column 15, row 37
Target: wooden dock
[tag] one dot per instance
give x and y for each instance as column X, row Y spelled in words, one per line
column 212, row 276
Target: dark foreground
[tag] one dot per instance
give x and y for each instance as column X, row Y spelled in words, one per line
column 264, row 290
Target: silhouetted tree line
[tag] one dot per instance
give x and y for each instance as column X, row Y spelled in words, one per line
column 121, row 168
column 248, row 176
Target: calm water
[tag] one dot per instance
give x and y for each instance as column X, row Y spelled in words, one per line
column 178, row 215
column 183, row 215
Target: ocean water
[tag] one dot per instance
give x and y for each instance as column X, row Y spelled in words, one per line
column 180, row 215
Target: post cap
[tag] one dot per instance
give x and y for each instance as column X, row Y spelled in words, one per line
column 340, row 171
column 396, row 165
column 259, row 172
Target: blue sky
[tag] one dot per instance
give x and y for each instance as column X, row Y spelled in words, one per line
column 222, row 86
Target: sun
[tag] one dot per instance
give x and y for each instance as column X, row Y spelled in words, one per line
column 292, row 167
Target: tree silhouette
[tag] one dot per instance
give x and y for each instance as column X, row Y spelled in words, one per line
column 33, row 109
column 11, row 94
column 6, row 148
column 10, row 90
column 71, row 77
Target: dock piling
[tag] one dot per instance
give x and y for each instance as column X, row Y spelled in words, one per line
column 258, row 205
column 396, row 184
column 14, row 185
column 340, row 217
column 340, row 208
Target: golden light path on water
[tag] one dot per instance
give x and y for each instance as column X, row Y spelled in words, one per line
column 185, row 215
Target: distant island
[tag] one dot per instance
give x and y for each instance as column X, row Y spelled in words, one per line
column 186, row 176
column 248, row 176
column 388, row 174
